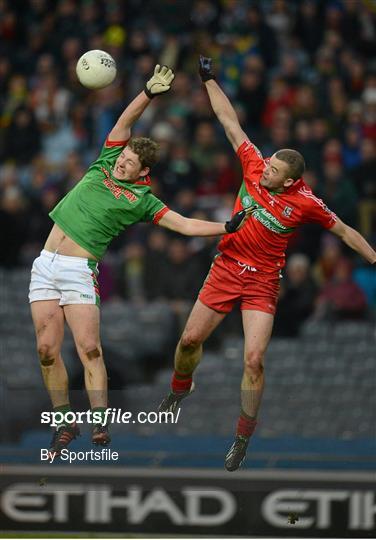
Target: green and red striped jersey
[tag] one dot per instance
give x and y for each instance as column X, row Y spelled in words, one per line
column 263, row 240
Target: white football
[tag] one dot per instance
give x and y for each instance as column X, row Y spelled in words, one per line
column 96, row 69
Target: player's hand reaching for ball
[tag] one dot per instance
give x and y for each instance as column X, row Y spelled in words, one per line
column 160, row 82
column 238, row 220
column 205, row 68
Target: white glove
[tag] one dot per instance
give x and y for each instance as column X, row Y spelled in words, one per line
column 160, row 82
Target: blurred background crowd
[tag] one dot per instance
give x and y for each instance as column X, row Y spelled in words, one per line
column 301, row 74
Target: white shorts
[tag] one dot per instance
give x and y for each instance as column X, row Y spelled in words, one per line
column 71, row 280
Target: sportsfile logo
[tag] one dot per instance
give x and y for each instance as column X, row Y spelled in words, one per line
column 110, row 416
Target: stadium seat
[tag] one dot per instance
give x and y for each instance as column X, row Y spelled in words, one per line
column 316, row 386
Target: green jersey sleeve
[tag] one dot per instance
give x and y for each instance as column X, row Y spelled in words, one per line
column 109, row 153
column 154, row 209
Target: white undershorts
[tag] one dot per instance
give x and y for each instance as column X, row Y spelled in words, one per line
column 71, row 280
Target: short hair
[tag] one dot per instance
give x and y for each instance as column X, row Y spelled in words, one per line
column 146, row 149
column 294, row 160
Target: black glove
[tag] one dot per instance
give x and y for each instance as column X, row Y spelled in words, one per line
column 205, row 68
column 237, row 221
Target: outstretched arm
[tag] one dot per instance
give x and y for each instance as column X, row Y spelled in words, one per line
column 198, row 227
column 122, row 129
column 159, row 83
column 222, row 107
column 355, row 240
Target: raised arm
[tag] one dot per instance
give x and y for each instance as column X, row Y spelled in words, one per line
column 355, row 240
column 222, row 107
column 159, row 83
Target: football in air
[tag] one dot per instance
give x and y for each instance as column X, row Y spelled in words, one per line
column 96, row 69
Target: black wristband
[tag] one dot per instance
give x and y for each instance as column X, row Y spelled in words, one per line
column 148, row 93
column 207, row 77
column 228, row 227
column 236, row 221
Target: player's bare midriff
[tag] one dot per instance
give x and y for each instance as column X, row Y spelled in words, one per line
column 59, row 242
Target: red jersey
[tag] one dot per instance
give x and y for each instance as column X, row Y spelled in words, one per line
column 263, row 240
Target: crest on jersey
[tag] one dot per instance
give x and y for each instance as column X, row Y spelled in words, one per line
column 247, row 201
column 287, row 211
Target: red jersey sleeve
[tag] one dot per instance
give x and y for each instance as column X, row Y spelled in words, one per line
column 109, row 144
column 250, row 156
column 316, row 211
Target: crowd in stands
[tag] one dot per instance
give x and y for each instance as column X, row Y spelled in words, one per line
column 301, row 74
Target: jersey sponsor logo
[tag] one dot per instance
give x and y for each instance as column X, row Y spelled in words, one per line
column 287, row 211
column 262, row 215
column 116, row 190
column 270, row 222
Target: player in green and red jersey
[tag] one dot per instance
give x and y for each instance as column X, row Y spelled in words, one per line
column 113, row 194
column 248, row 266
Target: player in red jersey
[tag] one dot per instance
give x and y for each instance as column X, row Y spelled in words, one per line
column 248, row 266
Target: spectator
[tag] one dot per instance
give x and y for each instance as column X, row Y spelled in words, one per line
column 329, row 257
column 204, row 147
column 341, row 298
column 263, row 33
column 204, row 15
column 155, row 264
column 365, row 278
column 351, row 148
column 14, row 222
column 304, row 142
column 132, row 270
column 22, row 138
column 297, row 295
column 225, row 177
column 301, row 75
column 181, row 172
column 339, row 192
column 252, row 95
column 364, row 173
column 308, row 27
column 182, row 278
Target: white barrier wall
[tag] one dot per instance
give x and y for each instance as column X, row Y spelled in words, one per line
column 188, row 501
